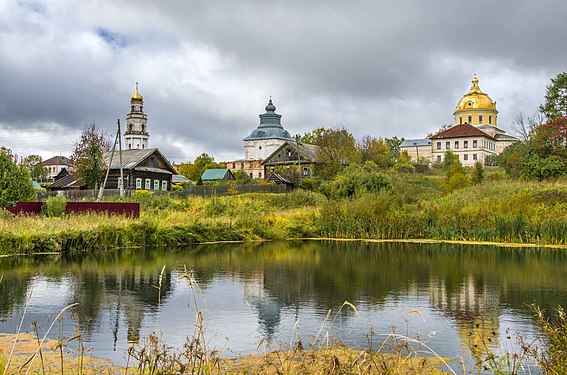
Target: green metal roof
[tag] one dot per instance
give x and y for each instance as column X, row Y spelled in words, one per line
column 214, row 174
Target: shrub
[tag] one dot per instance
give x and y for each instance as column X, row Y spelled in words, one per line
column 357, row 178
column 307, row 184
column 55, row 206
column 176, row 187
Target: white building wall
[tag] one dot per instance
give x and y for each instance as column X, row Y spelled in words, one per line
column 262, row 148
column 465, row 148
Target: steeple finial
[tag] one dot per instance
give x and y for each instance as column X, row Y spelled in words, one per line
column 137, row 95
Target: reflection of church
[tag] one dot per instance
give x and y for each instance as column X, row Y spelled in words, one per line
column 128, row 291
column 476, row 311
column 267, row 306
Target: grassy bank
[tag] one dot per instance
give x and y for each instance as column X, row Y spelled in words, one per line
column 416, row 208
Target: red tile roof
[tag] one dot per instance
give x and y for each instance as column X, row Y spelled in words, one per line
column 464, row 130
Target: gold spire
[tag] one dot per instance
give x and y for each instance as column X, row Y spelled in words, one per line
column 137, row 95
column 475, row 100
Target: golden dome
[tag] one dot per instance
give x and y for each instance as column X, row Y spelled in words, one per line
column 475, row 100
column 137, row 95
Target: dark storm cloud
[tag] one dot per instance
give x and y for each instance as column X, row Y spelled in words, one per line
column 207, row 68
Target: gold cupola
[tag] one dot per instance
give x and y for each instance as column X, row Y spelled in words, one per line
column 137, row 95
column 476, row 108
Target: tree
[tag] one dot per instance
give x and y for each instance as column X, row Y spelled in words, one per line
column 87, row 157
column 478, row 173
column 15, row 180
column 524, row 126
column 337, row 149
column 194, row 171
column 33, row 164
column 456, row 175
column 355, row 179
column 375, row 150
column 556, row 97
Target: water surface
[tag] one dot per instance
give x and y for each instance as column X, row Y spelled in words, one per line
column 450, row 296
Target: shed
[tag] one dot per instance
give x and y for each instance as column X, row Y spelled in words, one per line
column 217, row 174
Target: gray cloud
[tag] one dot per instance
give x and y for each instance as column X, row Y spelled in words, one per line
column 206, row 69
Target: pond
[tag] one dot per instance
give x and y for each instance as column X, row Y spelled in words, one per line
column 268, row 294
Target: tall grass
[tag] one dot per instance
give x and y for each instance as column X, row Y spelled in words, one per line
column 500, row 211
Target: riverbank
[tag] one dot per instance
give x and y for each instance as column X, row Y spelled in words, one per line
column 499, row 212
column 53, row 357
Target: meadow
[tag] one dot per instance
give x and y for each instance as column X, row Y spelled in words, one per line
column 417, row 207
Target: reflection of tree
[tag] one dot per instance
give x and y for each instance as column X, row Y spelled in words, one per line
column 465, row 283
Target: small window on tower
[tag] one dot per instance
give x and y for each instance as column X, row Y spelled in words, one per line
column 460, row 120
column 132, row 108
column 490, row 119
column 259, row 147
column 480, row 119
column 470, row 119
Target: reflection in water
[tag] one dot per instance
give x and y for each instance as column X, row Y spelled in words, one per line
column 464, row 288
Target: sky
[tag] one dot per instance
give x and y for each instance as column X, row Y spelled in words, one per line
column 206, row 69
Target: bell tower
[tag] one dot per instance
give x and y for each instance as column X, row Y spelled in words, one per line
column 136, row 134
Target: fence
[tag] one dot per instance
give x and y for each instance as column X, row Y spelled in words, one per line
column 199, row 190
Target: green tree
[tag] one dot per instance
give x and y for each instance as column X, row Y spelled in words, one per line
column 394, row 144
column 375, row 150
column 456, row 175
column 15, row 180
column 556, row 97
column 194, row 171
column 513, row 158
column 33, row 165
column 478, row 173
column 337, row 149
column 87, row 157
column 450, row 159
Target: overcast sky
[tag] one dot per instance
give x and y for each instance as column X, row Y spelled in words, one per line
column 207, row 68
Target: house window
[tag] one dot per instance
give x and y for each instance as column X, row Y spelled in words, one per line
column 288, row 152
column 148, row 184
column 470, row 118
column 305, row 171
column 156, row 184
column 438, row 157
column 138, row 183
column 439, row 145
column 241, row 165
column 164, row 185
column 456, row 144
column 251, row 175
column 474, row 143
column 490, row 119
column 480, row 119
column 447, row 145
column 233, row 165
column 465, row 144
column 259, row 174
column 473, row 156
column 466, row 157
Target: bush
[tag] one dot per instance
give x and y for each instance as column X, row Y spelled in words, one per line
column 356, row 178
column 307, row 184
column 176, row 187
column 55, row 206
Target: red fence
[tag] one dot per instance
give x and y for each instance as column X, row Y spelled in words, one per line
column 25, row 208
column 114, row 208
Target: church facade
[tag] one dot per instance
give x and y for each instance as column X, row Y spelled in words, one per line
column 136, row 135
column 473, row 137
column 261, row 143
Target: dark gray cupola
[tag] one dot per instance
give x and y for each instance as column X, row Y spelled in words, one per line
column 270, row 126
